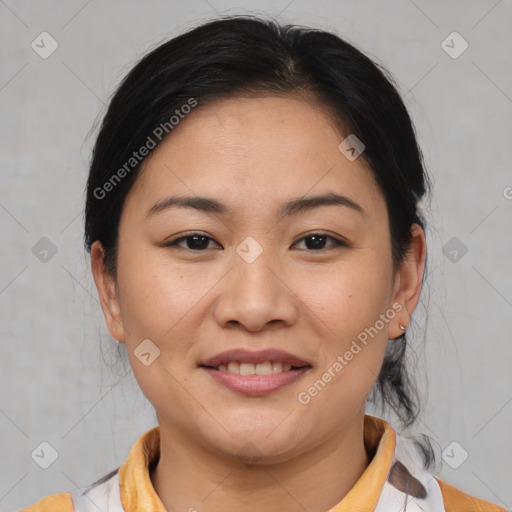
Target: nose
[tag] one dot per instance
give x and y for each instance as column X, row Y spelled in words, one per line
column 256, row 297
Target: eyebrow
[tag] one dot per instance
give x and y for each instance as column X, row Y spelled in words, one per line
column 292, row 207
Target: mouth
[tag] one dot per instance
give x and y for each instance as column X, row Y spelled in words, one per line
column 255, row 373
column 265, row 368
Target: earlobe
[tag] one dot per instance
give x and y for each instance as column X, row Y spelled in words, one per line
column 107, row 292
column 400, row 323
column 409, row 280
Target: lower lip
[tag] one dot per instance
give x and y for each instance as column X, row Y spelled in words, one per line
column 256, row 385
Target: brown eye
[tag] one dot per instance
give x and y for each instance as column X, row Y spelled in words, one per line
column 318, row 241
column 193, row 242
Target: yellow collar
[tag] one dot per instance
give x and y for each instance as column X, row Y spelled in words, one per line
column 138, row 494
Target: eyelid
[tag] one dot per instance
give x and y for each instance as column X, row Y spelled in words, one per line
column 337, row 241
column 175, row 241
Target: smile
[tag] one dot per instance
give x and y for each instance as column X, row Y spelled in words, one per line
column 243, row 377
column 255, row 373
column 265, row 368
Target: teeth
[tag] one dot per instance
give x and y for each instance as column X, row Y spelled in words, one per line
column 266, row 368
column 233, row 367
column 277, row 367
column 247, row 369
column 263, row 368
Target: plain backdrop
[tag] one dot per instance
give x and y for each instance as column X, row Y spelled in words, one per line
column 60, row 382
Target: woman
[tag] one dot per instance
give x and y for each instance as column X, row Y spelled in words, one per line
column 257, row 245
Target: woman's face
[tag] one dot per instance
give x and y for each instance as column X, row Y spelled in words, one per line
column 270, row 269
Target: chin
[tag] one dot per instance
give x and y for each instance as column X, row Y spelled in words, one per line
column 256, row 447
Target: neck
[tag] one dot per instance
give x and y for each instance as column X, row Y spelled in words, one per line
column 189, row 477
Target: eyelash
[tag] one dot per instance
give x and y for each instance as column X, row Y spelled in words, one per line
column 335, row 241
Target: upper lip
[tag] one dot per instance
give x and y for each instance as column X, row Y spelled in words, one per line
column 254, row 357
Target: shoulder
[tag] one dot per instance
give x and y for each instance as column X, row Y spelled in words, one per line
column 409, row 482
column 56, row 503
column 105, row 496
column 455, row 500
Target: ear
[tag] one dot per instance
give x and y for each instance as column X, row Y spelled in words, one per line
column 107, row 291
column 408, row 281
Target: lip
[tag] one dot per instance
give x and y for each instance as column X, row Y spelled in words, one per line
column 254, row 357
column 256, row 385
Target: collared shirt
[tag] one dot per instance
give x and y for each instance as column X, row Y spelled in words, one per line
column 394, row 481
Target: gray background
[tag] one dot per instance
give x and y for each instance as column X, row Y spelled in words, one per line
column 60, row 382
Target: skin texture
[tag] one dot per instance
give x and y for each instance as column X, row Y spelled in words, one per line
column 252, row 155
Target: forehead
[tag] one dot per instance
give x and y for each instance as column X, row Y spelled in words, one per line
column 256, row 150
column 242, row 126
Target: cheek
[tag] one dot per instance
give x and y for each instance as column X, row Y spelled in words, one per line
column 157, row 302
column 348, row 304
column 157, row 295
column 347, row 298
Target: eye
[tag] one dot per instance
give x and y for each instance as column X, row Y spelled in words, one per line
column 200, row 242
column 318, row 241
column 193, row 242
